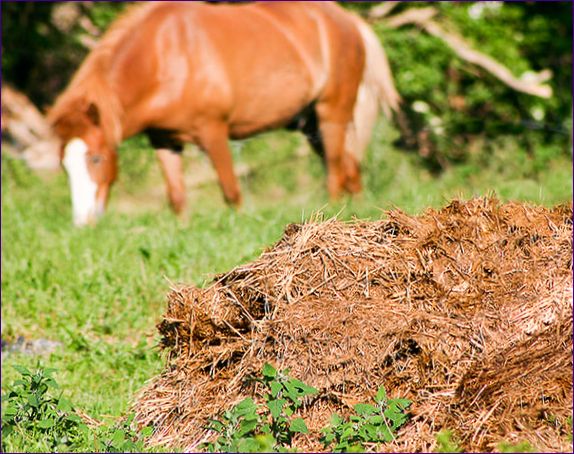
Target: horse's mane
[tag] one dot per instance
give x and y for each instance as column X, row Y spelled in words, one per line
column 90, row 84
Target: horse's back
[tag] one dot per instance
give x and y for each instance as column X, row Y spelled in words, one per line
column 256, row 64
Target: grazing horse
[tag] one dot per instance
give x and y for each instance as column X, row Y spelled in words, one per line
column 204, row 73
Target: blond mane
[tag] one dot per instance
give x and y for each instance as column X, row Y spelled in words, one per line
column 90, row 84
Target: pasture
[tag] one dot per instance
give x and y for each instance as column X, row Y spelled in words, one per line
column 99, row 291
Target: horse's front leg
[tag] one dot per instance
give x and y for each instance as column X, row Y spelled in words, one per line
column 213, row 139
column 172, row 169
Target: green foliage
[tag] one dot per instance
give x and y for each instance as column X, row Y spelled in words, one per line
column 371, row 424
column 121, row 437
column 285, row 395
column 33, row 415
column 251, row 428
column 238, row 429
column 450, row 103
column 522, row 446
column 103, row 14
column 446, row 442
column 31, row 410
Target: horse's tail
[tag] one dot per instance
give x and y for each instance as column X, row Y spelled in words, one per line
column 376, row 91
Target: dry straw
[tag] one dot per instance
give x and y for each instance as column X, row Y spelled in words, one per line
column 467, row 311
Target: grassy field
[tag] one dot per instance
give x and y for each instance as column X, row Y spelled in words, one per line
column 100, row 291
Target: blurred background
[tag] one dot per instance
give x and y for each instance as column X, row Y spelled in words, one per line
column 454, row 105
column 487, row 109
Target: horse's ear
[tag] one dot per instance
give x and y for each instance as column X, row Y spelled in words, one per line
column 93, row 114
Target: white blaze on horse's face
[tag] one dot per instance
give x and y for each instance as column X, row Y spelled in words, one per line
column 84, row 189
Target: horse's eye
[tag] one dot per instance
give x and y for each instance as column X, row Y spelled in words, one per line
column 95, row 159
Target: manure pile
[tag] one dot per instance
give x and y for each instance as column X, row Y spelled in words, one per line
column 467, row 311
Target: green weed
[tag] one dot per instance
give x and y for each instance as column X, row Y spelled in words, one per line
column 35, row 414
column 522, row 446
column 250, row 428
column 446, row 442
column 32, row 411
column 376, row 423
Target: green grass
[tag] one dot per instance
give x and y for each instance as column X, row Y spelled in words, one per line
column 100, row 291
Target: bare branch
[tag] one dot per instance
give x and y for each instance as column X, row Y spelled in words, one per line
column 411, row 16
column 382, row 9
column 422, row 17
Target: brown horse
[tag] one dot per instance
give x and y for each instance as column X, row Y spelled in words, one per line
column 203, row 73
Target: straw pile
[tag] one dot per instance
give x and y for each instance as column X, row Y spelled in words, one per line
column 467, row 311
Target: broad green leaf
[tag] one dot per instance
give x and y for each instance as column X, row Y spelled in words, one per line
column 328, row 437
column 365, row 409
column 64, row 404
column 293, row 395
column 275, row 407
column 298, row 425
column 10, row 411
column 129, row 419
column 245, row 406
column 384, row 433
column 118, row 439
column 22, row 370
column 74, row 418
column 33, row 400
column 307, row 390
column 216, row 425
column 397, row 419
column 276, row 388
column 399, row 404
column 128, row 446
column 269, row 371
column 356, row 448
column 336, row 419
column 347, row 432
column 247, row 445
column 45, row 423
column 381, row 395
column 245, row 427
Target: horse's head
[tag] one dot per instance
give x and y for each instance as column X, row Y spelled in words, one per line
column 89, row 159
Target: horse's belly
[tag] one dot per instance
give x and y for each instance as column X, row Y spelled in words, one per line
column 246, row 127
column 268, row 108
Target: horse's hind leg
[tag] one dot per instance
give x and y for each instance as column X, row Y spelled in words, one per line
column 342, row 169
column 213, row 140
column 350, row 165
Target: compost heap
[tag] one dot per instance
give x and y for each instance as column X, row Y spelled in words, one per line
column 467, row 311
